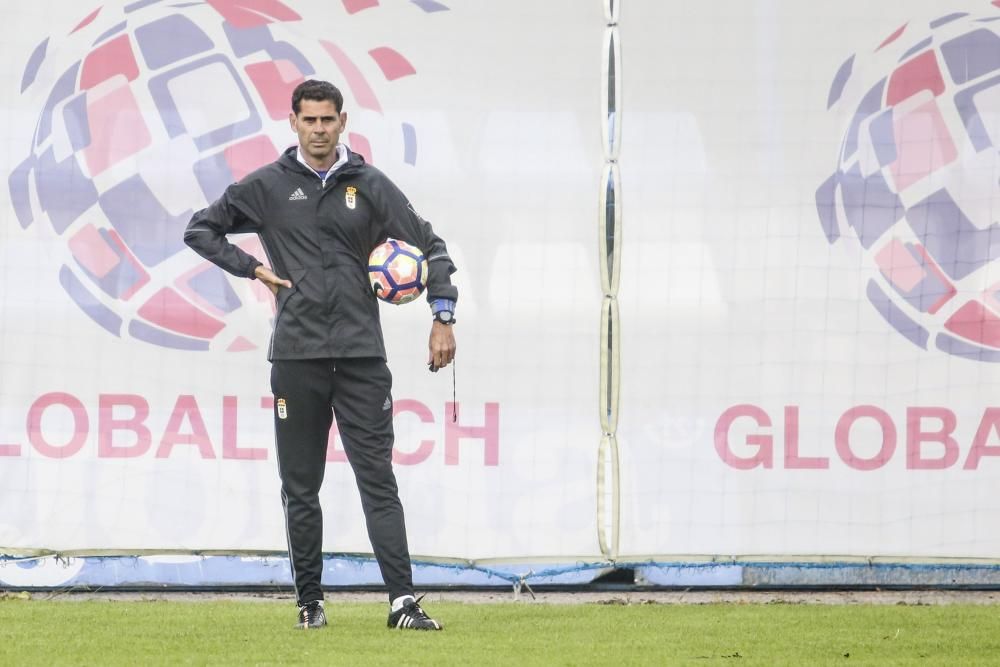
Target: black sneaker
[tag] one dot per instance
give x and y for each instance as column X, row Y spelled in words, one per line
column 411, row 616
column 311, row 616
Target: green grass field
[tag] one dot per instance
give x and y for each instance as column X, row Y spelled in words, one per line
column 103, row 632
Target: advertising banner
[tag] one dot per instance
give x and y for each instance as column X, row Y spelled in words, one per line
column 135, row 406
column 808, row 300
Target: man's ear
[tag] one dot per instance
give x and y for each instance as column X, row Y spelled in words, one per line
column 291, row 121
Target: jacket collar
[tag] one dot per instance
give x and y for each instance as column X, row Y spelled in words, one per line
column 342, row 156
column 289, row 159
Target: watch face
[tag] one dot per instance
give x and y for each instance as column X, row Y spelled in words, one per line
column 444, row 316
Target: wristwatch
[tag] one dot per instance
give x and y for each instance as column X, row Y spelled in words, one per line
column 444, row 317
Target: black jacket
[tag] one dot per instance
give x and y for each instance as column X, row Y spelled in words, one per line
column 315, row 238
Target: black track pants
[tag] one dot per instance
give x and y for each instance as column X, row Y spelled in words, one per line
column 359, row 392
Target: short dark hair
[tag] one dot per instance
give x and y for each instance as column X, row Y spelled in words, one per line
column 317, row 91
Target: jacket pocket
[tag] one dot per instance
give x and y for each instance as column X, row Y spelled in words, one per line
column 286, row 293
column 363, row 283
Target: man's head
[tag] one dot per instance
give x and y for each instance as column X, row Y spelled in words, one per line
column 318, row 91
column 317, row 118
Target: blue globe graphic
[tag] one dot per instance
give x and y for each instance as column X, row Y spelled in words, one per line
column 918, row 178
column 147, row 111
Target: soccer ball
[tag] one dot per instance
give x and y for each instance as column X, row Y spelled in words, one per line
column 916, row 182
column 397, row 272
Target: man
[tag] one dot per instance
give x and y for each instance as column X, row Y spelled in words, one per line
column 319, row 211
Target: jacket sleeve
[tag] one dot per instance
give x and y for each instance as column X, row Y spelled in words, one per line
column 403, row 223
column 235, row 212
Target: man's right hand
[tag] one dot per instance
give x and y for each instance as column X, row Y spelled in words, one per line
column 268, row 277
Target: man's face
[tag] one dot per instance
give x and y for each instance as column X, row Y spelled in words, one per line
column 319, row 127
